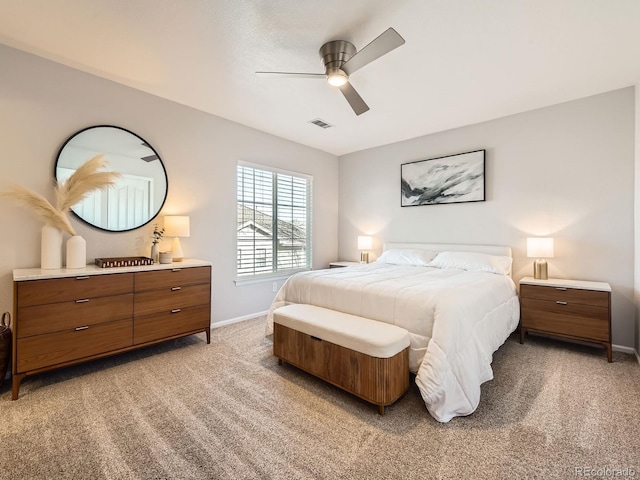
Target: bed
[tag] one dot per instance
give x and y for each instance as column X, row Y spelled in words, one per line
column 458, row 303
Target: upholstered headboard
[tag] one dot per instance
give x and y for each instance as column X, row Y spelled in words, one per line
column 454, row 247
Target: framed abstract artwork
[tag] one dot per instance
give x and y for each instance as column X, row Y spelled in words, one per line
column 453, row 179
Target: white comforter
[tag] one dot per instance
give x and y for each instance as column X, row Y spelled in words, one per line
column 456, row 320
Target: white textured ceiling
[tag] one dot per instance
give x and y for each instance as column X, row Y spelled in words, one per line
column 464, row 61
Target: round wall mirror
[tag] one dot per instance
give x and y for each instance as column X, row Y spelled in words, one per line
column 137, row 197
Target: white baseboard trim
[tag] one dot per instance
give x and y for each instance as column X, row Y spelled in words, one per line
column 237, row 319
column 620, row 348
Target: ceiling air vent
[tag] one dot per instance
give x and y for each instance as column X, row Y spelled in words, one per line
column 320, row 123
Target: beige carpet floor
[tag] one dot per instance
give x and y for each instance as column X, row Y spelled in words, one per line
column 188, row 410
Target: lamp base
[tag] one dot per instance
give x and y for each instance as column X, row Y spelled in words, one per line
column 540, row 269
column 364, row 257
column 176, row 249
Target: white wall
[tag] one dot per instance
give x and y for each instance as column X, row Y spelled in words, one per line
column 565, row 171
column 43, row 103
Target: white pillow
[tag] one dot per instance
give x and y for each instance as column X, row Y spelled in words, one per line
column 473, row 261
column 419, row 258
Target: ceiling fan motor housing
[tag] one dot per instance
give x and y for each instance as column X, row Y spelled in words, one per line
column 335, row 54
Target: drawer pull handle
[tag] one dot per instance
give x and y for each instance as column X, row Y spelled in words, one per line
column 562, row 289
column 78, row 329
column 175, row 310
column 561, row 303
column 84, row 300
column 176, row 269
column 174, row 289
column 86, row 277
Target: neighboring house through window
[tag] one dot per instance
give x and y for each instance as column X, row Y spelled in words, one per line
column 273, row 221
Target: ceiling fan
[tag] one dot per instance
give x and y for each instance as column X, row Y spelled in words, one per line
column 341, row 59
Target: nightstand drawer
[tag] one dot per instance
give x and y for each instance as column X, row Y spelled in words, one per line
column 576, row 309
column 575, row 320
column 569, row 295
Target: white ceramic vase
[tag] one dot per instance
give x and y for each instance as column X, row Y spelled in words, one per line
column 51, row 248
column 154, row 253
column 76, row 252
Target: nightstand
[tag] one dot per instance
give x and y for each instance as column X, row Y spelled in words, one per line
column 566, row 308
column 342, row 264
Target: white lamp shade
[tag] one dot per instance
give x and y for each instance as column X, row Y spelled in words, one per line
column 365, row 242
column 176, row 226
column 540, row 247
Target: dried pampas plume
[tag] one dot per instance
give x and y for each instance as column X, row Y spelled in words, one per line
column 84, row 180
column 40, row 206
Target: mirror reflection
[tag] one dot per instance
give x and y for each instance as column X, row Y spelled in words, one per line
column 137, row 197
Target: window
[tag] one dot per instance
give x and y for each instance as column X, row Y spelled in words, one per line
column 273, row 221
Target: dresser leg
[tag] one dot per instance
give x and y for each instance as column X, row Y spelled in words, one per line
column 608, row 347
column 208, row 332
column 381, row 410
column 17, row 378
column 522, row 332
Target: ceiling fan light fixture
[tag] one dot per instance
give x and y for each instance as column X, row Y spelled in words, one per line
column 341, row 59
column 337, row 78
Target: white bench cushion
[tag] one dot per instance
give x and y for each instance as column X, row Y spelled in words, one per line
column 373, row 338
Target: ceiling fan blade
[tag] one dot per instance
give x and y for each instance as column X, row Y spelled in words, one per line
column 389, row 40
column 354, row 99
column 294, row 74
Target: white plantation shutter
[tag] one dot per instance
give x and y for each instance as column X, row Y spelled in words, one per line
column 273, row 220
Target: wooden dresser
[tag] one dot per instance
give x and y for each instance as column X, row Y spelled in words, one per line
column 63, row 317
column 566, row 308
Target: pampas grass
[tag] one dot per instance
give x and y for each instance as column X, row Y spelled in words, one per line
column 41, row 206
column 84, row 180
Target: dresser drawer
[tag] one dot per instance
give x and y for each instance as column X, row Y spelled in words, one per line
column 177, row 277
column 569, row 295
column 55, row 317
column 43, row 351
column 158, row 301
column 155, row 327
column 576, row 320
column 41, row 292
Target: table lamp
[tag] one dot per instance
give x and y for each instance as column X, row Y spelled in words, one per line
column 540, row 248
column 176, row 226
column 365, row 243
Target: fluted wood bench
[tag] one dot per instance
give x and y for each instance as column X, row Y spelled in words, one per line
column 367, row 358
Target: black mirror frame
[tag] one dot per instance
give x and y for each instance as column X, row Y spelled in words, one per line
column 166, row 194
